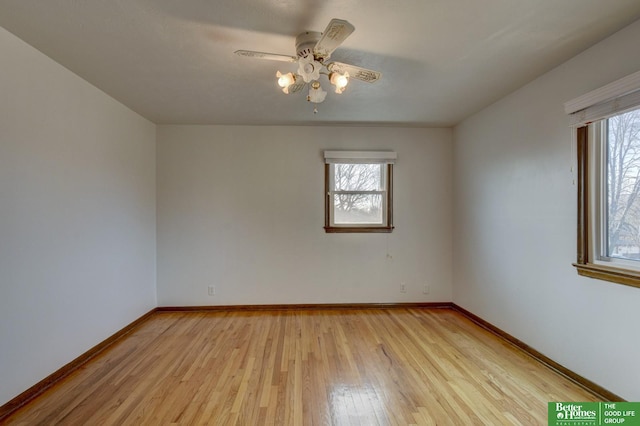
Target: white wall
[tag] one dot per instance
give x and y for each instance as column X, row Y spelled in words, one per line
column 77, row 216
column 515, row 225
column 242, row 208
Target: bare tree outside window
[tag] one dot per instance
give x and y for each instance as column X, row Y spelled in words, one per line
column 623, row 185
column 358, row 194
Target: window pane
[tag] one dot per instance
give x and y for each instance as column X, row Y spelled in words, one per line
column 358, row 177
column 358, row 208
column 623, row 186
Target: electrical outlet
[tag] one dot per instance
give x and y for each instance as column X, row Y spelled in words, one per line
column 403, row 288
column 212, row 290
column 426, row 289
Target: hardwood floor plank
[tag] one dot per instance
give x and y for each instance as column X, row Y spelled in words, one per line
column 311, row 367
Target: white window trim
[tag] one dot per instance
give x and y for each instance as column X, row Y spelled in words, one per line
column 613, row 90
column 367, row 157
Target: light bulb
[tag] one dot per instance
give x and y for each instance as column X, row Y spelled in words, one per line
column 285, row 80
column 339, row 80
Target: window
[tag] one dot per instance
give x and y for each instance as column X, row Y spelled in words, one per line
column 608, row 147
column 618, row 140
column 358, row 191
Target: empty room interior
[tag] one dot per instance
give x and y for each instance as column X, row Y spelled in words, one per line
column 295, row 212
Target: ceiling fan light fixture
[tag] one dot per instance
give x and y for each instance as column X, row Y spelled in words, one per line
column 339, row 80
column 316, row 94
column 313, row 49
column 285, row 80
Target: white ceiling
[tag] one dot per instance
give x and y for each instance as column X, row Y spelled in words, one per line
column 172, row 61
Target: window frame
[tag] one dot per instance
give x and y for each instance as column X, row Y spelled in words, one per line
column 591, row 179
column 385, row 227
column 616, row 97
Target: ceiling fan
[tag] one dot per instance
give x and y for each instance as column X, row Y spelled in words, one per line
column 313, row 50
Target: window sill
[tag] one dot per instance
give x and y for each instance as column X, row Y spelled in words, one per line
column 609, row 273
column 356, row 229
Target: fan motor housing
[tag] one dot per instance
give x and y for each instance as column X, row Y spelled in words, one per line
column 305, row 42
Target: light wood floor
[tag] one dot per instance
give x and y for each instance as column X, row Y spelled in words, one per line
column 307, row 367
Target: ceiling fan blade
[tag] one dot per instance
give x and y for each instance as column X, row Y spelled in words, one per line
column 359, row 73
column 268, row 56
column 296, row 87
column 336, row 32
